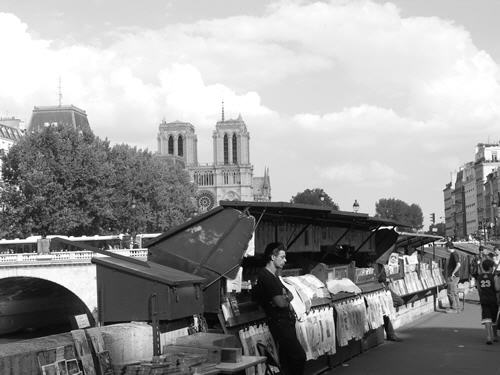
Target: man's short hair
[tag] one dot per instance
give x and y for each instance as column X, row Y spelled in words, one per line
column 488, row 265
column 450, row 245
column 273, row 249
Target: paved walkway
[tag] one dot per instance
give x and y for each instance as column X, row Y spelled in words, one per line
column 437, row 344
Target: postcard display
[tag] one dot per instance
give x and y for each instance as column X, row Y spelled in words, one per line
column 417, row 280
column 330, row 316
column 417, row 276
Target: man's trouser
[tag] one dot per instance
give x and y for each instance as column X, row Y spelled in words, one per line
column 453, row 292
column 292, row 357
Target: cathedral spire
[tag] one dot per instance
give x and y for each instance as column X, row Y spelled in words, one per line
column 223, row 111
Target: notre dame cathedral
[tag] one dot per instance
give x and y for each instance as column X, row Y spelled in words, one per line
column 230, row 176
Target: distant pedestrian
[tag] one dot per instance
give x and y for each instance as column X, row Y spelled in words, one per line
column 496, row 257
column 452, row 278
column 488, row 286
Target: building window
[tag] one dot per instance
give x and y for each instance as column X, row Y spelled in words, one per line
column 170, row 145
column 494, row 156
column 226, row 150
column 236, row 178
column 180, row 146
column 235, row 149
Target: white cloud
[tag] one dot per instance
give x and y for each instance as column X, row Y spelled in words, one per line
column 407, row 92
column 373, row 174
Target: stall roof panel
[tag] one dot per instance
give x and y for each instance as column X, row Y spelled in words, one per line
column 150, row 271
column 438, row 251
column 415, row 240
column 304, row 213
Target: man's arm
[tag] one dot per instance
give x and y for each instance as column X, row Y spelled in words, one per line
column 497, row 288
column 281, row 301
column 457, row 268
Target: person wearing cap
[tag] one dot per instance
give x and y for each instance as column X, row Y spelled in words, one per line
column 275, row 299
column 452, row 277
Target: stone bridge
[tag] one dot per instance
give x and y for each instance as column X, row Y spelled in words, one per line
column 39, row 286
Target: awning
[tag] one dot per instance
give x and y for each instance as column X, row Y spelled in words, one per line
column 304, row 213
column 406, row 240
column 415, row 240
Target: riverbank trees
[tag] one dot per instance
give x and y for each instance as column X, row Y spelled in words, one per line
column 68, row 182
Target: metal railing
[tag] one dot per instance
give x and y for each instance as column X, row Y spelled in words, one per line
column 64, row 257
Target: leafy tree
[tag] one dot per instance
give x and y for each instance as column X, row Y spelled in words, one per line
column 438, row 229
column 150, row 195
column 316, row 197
column 399, row 211
column 68, row 182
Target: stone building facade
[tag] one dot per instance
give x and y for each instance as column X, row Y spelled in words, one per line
column 62, row 115
column 230, row 175
column 10, row 133
column 471, row 200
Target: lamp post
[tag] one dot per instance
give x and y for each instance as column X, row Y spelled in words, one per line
column 355, row 206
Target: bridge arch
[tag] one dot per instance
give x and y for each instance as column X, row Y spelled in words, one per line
column 60, row 289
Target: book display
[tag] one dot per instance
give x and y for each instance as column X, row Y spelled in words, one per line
column 251, row 337
column 417, row 278
column 316, row 332
column 351, row 322
column 379, row 304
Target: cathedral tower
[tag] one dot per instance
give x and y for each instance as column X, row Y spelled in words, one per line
column 178, row 139
column 231, row 142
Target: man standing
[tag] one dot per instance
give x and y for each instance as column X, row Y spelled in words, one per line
column 397, row 301
column 274, row 298
column 452, row 278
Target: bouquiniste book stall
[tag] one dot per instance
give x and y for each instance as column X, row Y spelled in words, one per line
column 414, row 272
column 339, row 306
column 205, row 268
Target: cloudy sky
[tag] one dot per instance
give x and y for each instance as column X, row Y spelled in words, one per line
column 365, row 99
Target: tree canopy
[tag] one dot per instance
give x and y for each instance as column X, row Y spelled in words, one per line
column 316, row 197
column 63, row 181
column 399, row 211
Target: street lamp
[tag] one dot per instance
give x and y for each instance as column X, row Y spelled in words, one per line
column 355, row 206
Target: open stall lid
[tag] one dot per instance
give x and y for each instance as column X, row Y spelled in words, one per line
column 408, row 240
column 211, row 245
column 470, row 248
column 415, row 240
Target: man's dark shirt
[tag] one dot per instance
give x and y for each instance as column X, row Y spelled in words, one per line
column 268, row 286
column 452, row 263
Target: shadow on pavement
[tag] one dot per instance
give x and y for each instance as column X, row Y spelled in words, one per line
column 440, row 345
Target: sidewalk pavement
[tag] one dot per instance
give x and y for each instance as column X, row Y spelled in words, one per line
column 439, row 343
